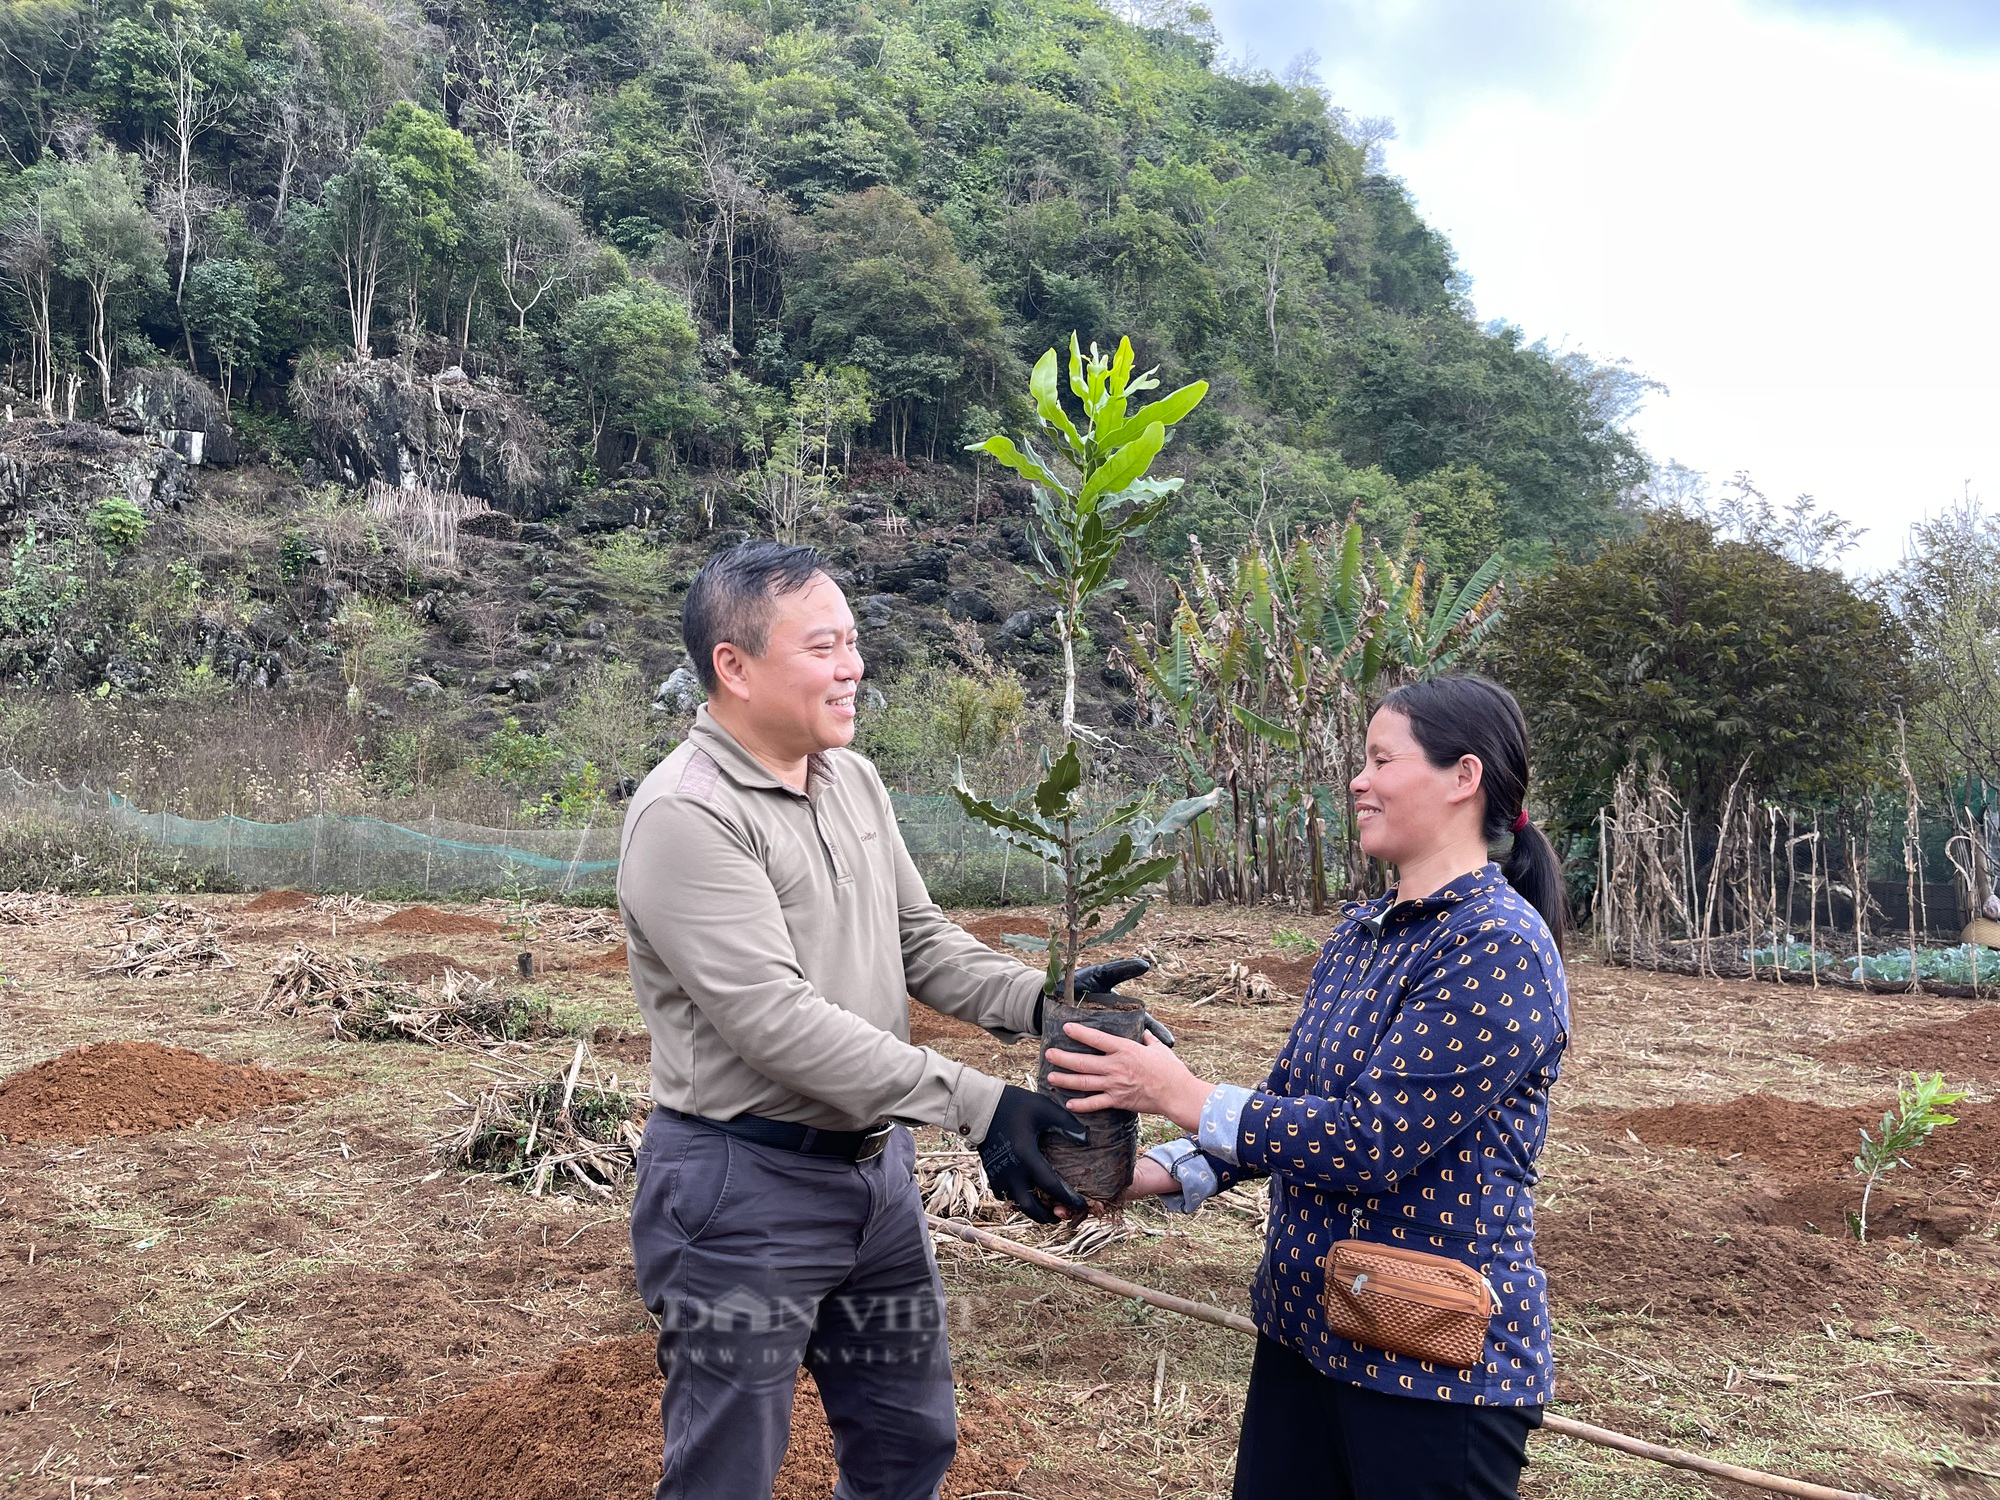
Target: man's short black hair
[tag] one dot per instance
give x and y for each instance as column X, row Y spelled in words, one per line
column 730, row 599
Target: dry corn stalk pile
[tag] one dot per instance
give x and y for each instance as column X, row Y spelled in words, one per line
column 562, row 924
column 364, row 1002
column 953, row 1185
column 1241, row 985
column 538, row 1128
column 172, row 913
column 154, row 954
column 307, row 978
column 30, row 908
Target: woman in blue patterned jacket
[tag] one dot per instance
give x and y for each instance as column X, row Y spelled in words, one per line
column 1407, row 1108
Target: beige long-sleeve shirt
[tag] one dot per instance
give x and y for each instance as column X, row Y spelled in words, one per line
column 775, row 936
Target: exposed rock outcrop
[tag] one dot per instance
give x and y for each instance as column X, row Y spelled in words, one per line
column 53, row 473
column 377, row 420
column 176, row 409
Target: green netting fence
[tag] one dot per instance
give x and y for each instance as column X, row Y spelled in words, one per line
column 328, row 852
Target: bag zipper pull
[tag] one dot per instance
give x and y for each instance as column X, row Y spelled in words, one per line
column 1354, row 1225
column 1359, row 1282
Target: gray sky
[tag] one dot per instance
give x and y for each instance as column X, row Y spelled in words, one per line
column 1787, row 211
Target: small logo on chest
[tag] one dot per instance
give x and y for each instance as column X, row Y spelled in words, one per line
column 870, row 834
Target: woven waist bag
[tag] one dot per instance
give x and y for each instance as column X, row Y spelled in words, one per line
column 1427, row 1306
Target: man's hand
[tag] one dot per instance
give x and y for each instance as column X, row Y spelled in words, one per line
column 1144, row 1076
column 1104, row 979
column 1012, row 1153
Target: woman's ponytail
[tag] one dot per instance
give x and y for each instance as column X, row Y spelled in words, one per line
column 1453, row 717
column 1531, row 867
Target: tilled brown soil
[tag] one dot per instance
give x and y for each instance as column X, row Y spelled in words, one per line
column 1943, row 1192
column 421, row 968
column 611, row 961
column 431, row 922
column 1674, row 1256
column 303, row 1302
column 275, row 901
column 1796, row 1137
column 131, row 1088
column 1962, row 1048
column 588, row 1427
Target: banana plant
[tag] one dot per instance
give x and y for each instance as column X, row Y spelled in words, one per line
column 1093, row 493
column 1269, row 668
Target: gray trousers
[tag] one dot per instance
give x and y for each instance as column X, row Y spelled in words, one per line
column 756, row 1260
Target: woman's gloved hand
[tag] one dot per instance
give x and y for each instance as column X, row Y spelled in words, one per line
column 1012, row 1153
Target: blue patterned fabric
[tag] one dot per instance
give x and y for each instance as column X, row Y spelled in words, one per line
column 1190, row 1169
column 1407, row 1107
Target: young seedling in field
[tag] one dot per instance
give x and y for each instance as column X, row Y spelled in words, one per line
column 1919, row 1105
column 1093, row 493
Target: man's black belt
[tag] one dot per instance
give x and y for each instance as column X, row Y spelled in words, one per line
column 788, row 1135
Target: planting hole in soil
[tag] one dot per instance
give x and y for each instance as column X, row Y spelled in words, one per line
column 134, row 1088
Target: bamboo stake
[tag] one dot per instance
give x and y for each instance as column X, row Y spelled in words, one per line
column 1602, row 1437
column 1812, row 901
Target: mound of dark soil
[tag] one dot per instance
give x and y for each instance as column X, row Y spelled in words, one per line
column 431, row 922
column 274, row 901
column 611, row 961
column 1966, row 1046
column 1898, row 1208
column 421, row 968
column 134, row 1088
column 587, row 1427
column 1811, row 1141
column 1637, row 1251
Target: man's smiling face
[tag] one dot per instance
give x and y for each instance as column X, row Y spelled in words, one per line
column 802, row 689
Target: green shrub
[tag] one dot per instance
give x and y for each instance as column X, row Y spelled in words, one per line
column 117, row 525
column 50, row 852
column 633, row 563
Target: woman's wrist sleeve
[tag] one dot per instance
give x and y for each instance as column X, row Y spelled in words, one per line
column 1222, row 1121
column 1187, row 1166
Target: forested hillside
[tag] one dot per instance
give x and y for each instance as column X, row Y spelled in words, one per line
column 685, row 230
column 286, row 285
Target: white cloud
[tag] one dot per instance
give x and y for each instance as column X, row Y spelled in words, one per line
column 1787, row 217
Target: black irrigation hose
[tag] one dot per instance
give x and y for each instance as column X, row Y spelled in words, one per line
column 1567, row 1427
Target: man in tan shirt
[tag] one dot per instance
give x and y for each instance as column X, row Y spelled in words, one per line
column 776, row 925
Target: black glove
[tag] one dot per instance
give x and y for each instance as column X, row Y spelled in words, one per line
column 1104, row 979
column 1012, row 1153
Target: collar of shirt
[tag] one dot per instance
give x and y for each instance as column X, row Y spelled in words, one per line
column 745, row 769
column 1376, row 915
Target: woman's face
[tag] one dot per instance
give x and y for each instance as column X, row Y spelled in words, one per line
column 1403, row 805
